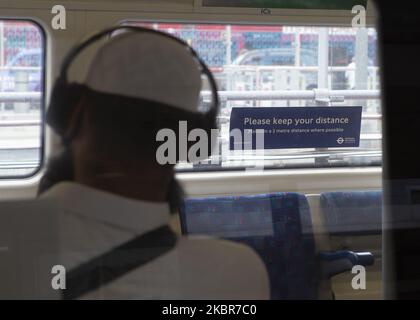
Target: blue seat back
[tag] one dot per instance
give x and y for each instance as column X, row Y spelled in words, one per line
column 277, row 226
column 352, row 212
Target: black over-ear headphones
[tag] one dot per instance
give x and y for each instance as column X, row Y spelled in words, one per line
column 65, row 95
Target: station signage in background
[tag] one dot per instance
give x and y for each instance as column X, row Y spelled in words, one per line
column 286, row 4
column 296, row 127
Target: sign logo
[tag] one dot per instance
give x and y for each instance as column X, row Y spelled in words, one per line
column 297, row 127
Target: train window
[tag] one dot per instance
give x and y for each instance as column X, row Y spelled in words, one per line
column 260, row 66
column 22, row 47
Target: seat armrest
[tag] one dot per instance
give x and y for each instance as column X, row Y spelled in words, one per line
column 334, row 263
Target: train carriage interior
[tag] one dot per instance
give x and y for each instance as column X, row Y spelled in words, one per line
column 308, row 75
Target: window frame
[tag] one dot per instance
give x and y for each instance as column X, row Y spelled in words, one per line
column 43, row 100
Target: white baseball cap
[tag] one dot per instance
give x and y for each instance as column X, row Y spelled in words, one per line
column 147, row 66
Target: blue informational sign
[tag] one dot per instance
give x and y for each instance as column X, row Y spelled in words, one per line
column 296, row 127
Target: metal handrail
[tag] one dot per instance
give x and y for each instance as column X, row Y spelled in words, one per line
column 35, row 123
column 20, row 96
column 20, row 123
column 291, row 68
column 21, row 165
column 20, row 68
column 236, row 95
column 295, row 95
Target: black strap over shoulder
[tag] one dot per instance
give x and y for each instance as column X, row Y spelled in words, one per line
column 117, row 262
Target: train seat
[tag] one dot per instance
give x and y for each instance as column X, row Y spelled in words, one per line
column 352, row 220
column 352, row 212
column 278, row 227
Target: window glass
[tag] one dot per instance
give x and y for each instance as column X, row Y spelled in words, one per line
column 318, row 66
column 22, row 46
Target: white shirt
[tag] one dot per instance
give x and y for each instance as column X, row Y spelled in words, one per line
column 92, row 222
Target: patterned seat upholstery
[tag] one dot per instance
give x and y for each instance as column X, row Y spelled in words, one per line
column 352, row 213
column 277, row 226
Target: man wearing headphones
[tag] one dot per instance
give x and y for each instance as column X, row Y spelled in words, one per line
column 114, row 201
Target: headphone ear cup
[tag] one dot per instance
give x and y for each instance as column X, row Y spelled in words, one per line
column 64, row 97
